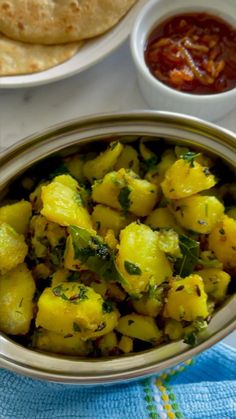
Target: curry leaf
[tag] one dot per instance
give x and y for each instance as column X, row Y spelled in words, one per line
column 190, row 251
column 92, row 251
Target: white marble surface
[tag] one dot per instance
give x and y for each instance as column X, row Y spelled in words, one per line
column 108, row 86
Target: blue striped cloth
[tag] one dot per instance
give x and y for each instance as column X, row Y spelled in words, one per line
column 199, row 389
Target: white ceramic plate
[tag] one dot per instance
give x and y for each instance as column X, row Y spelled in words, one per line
column 90, row 53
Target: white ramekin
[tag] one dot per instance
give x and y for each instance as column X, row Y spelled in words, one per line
column 161, row 97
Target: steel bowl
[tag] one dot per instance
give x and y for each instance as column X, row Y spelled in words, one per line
column 87, row 132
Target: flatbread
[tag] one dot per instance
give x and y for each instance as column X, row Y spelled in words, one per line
column 21, row 58
column 59, row 21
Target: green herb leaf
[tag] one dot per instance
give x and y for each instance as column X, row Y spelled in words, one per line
column 199, row 325
column 123, row 198
column 80, row 293
column 131, row 268
column 189, row 157
column 190, row 251
column 78, row 199
column 107, row 307
column 150, row 163
column 206, row 171
column 60, row 170
column 113, row 144
column 191, row 339
column 92, row 251
column 76, row 327
column 57, row 252
column 57, row 290
column 74, row 277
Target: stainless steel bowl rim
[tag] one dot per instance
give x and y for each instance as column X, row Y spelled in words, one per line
column 19, row 157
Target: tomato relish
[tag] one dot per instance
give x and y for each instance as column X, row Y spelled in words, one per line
column 194, row 53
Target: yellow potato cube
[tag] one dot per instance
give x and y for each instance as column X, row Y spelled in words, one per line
column 149, row 306
column 139, row 327
column 186, row 178
column 13, row 248
column 232, row 213
column 126, row 344
column 107, row 343
column 67, row 180
column 63, row 205
column 162, row 218
column 59, row 276
column 110, row 239
column 75, row 166
column 156, row 174
column 115, row 292
column 125, row 190
column 216, row 282
column 198, row 213
column 99, row 287
column 105, row 218
column 35, row 197
column 173, row 329
column 168, row 241
column 186, row 299
column 71, row 307
column 128, row 159
column 41, row 271
column 17, row 216
column 140, row 260
column 17, row 290
column 222, row 240
column 70, row 261
column 146, row 153
column 69, row 344
column 48, row 239
column 104, row 163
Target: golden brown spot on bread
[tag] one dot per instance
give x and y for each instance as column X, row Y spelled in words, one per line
column 34, row 67
column 6, row 6
column 74, row 6
column 20, row 26
column 69, row 28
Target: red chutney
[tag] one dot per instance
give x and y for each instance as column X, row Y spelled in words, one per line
column 194, row 53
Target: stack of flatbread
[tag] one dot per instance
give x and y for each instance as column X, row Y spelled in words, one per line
column 38, row 34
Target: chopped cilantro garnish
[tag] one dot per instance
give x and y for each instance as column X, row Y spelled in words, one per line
column 76, row 327
column 191, row 339
column 79, row 295
column 131, row 268
column 189, row 157
column 123, row 198
column 107, row 307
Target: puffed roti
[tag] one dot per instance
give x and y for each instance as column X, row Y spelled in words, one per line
column 21, row 58
column 59, row 21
